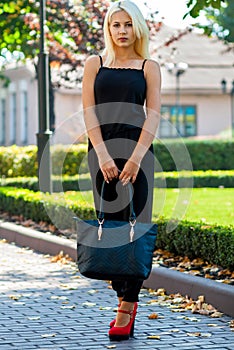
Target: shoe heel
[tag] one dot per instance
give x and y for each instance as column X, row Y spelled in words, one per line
column 132, row 329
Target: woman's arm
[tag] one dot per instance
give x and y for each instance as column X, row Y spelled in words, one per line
column 153, row 105
column 106, row 163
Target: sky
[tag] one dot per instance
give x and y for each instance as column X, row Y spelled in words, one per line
column 172, row 11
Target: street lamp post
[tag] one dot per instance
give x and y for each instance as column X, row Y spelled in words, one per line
column 224, row 90
column 43, row 136
column 177, row 69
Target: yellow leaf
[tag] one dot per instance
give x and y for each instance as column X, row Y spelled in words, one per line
column 216, row 314
column 153, row 316
column 194, row 334
column 161, row 291
column 201, row 298
column 15, row 296
column 206, row 335
column 154, row 337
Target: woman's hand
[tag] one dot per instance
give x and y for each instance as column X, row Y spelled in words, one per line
column 129, row 172
column 108, row 169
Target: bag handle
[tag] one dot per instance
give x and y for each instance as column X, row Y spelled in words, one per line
column 132, row 215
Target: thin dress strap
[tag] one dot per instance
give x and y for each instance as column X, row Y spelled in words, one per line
column 143, row 64
column 101, row 62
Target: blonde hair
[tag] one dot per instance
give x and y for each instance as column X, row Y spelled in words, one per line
column 139, row 25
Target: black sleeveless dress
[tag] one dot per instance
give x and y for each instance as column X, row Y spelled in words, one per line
column 119, row 97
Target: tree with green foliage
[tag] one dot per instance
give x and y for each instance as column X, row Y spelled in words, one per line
column 73, row 31
column 219, row 14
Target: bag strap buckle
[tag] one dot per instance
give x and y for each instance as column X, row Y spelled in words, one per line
column 132, row 224
column 100, row 221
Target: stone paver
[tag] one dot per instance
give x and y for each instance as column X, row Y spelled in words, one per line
column 46, row 305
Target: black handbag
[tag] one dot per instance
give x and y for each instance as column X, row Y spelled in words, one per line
column 115, row 250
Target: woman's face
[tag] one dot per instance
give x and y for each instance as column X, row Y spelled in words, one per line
column 121, row 29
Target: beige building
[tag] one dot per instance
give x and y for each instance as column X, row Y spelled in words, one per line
column 192, row 103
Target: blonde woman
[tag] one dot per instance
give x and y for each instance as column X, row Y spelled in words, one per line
column 116, row 87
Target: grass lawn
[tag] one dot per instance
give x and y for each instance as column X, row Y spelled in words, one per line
column 209, row 205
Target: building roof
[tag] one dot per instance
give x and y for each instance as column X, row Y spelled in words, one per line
column 207, row 58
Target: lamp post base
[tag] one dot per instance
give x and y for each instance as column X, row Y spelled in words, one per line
column 44, row 162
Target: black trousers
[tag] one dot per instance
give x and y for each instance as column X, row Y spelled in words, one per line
column 116, row 204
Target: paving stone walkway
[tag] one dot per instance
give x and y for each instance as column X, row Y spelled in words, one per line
column 46, row 305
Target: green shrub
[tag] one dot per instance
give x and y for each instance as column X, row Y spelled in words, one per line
column 39, row 206
column 18, row 161
column 216, row 178
column 213, row 243
column 196, row 179
column 22, row 161
column 205, row 155
column 71, row 160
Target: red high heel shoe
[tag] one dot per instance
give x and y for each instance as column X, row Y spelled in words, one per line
column 112, row 323
column 123, row 333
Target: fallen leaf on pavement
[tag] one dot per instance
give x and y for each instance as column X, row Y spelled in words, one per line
column 49, row 335
column 61, row 258
column 57, row 297
column 196, row 266
column 69, row 286
column 89, row 304
column 216, row 314
column 92, row 291
column 15, row 296
column 71, row 307
column 105, row 308
column 194, row 334
column 153, row 316
column 154, row 337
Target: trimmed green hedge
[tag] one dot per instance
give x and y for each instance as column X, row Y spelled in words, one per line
column 205, row 155
column 22, row 161
column 212, row 243
column 215, row 178
column 209, row 242
column 70, row 160
column 40, row 206
column 200, row 178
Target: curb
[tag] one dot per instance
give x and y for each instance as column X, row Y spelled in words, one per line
column 218, row 294
column 41, row 242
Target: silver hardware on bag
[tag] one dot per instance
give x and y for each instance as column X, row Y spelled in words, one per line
column 132, row 224
column 100, row 229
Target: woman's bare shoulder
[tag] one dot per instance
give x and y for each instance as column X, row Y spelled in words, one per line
column 152, row 64
column 92, row 62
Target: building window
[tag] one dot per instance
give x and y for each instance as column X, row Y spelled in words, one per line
column 12, row 124
column 24, row 118
column 3, row 121
column 180, row 120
